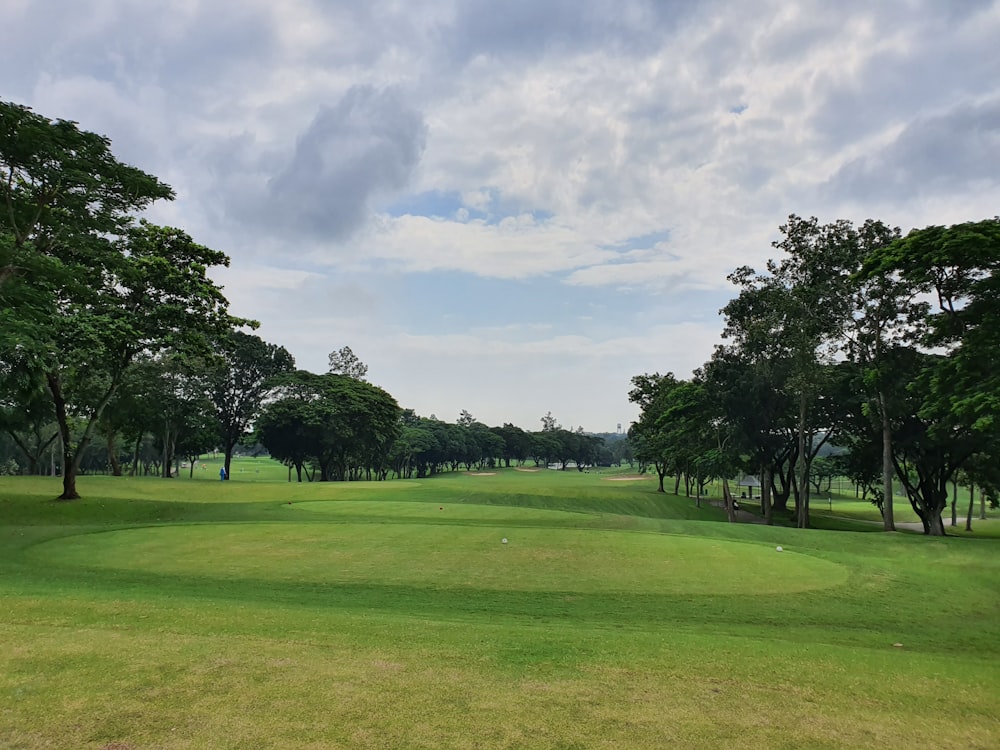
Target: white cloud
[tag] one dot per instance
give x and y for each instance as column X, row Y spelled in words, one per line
column 556, row 133
column 516, row 247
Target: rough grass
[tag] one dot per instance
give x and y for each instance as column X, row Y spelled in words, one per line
column 192, row 614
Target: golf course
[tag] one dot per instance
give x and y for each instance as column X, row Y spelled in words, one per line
column 506, row 609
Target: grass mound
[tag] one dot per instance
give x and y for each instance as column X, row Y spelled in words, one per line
column 448, row 556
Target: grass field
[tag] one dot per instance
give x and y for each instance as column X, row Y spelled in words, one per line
column 260, row 614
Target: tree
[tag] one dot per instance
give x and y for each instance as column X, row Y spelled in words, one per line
column 517, row 443
column 585, row 449
column 929, row 443
column 489, row 445
column 347, row 426
column 955, row 396
column 748, row 388
column 26, row 411
column 345, row 362
column 244, row 373
column 287, row 429
column 103, row 289
column 156, row 295
column 549, row 422
column 883, row 305
column 796, row 311
column 647, row 434
column 414, row 450
column 687, row 428
column 172, row 396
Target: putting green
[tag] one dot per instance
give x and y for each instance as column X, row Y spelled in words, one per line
column 450, row 556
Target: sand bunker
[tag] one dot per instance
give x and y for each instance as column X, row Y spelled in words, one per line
column 629, row 478
column 481, row 473
column 528, row 470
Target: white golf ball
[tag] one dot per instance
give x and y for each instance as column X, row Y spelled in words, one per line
column 503, row 541
column 778, row 549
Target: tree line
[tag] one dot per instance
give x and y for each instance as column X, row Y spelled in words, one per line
column 117, row 348
column 857, row 337
column 116, row 343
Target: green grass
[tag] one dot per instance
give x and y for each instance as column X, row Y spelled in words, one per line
column 260, row 614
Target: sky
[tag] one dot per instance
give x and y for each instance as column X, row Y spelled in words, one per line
column 513, row 207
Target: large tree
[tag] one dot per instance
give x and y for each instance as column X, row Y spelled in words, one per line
column 883, row 306
column 103, row 287
column 154, row 295
column 346, row 426
column 952, row 395
column 244, row 373
column 795, row 311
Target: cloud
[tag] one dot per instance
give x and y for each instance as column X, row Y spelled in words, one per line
column 527, row 29
column 391, row 177
column 514, row 247
column 366, row 145
column 942, row 154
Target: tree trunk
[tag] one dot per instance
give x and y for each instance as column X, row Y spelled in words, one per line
column 135, row 457
column 982, row 505
column 32, row 460
column 972, row 504
column 934, row 524
column 888, row 469
column 68, row 459
column 728, row 502
column 802, row 521
column 779, row 498
column 765, row 495
column 228, row 460
column 116, row 468
column 167, row 458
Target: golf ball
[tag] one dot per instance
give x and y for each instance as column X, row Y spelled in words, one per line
column 503, row 541
column 778, row 548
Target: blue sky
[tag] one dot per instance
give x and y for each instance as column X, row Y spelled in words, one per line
column 512, row 208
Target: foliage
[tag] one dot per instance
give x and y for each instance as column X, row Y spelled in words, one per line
column 242, row 375
column 950, row 398
column 104, row 288
column 343, row 361
column 346, row 426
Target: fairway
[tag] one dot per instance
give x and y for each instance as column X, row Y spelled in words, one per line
column 262, row 614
